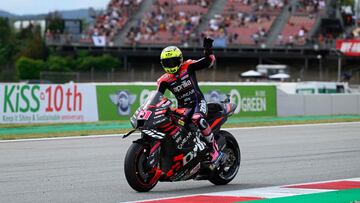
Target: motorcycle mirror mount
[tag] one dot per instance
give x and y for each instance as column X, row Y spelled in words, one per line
column 227, row 100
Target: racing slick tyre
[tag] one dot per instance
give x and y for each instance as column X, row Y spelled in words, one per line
column 136, row 171
column 230, row 167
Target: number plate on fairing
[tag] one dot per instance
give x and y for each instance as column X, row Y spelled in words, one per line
column 144, row 115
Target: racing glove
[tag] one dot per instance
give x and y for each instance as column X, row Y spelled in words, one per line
column 208, row 44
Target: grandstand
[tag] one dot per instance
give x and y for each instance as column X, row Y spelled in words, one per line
column 232, row 23
column 168, row 22
column 302, row 32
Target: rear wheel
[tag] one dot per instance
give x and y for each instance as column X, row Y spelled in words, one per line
column 231, row 165
column 136, row 171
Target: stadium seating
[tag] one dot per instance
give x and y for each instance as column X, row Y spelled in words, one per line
column 244, row 22
column 169, row 22
column 310, row 7
column 295, row 31
column 113, row 19
column 175, row 22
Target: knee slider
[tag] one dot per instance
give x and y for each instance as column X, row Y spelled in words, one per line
column 203, row 124
column 204, row 127
column 199, row 120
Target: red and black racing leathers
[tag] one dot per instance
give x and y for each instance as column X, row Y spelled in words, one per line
column 184, row 86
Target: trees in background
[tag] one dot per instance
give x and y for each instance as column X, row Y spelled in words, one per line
column 26, row 54
column 27, row 68
column 7, row 43
column 99, row 63
column 26, row 43
column 56, row 63
column 55, row 22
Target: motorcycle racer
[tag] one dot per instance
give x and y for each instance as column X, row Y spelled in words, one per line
column 180, row 79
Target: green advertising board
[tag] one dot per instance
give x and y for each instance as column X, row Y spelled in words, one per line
column 119, row 102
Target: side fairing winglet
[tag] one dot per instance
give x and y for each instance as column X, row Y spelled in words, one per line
column 129, row 133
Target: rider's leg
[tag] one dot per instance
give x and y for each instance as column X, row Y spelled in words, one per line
column 199, row 120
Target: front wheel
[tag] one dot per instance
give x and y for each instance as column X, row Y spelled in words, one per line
column 136, row 170
column 231, row 165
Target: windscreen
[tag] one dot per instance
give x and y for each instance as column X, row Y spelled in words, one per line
column 154, row 98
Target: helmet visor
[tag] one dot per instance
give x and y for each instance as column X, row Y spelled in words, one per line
column 171, row 62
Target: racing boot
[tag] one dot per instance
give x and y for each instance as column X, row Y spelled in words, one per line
column 206, row 131
column 216, row 155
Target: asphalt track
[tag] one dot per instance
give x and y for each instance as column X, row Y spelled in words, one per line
column 91, row 169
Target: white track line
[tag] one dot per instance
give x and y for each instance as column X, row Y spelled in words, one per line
column 263, row 192
column 268, row 192
column 237, row 128
column 294, row 125
column 63, row 138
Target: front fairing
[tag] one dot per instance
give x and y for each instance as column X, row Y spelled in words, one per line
column 153, row 113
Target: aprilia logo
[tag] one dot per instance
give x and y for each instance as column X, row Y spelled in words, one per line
column 199, row 146
column 183, row 85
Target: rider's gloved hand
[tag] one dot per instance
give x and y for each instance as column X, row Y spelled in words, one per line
column 208, row 44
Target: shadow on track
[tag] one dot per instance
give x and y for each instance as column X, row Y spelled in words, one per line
column 185, row 189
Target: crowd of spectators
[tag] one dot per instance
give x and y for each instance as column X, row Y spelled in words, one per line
column 113, row 19
column 242, row 28
column 296, row 31
column 311, row 7
column 244, row 21
column 175, row 22
column 169, row 22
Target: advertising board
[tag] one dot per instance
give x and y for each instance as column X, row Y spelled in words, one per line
column 350, row 47
column 25, row 103
column 119, row 102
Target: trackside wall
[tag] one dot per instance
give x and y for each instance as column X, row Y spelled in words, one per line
column 92, row 102
column 320, row 104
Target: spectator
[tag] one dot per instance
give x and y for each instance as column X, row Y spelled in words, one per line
column 291, row 41
column 280, row 39
column 171, row 22
column 114, row 18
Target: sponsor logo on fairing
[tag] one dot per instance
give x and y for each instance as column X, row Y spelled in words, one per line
column 184, row 140
column 154, row 134
column 199, row 146
column 192, row 172
column 159, row 121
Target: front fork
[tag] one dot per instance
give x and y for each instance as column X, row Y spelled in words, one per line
column 153, row 161
column 154, row 154
column 152, row 164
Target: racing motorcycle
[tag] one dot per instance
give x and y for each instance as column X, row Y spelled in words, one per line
column 161, row 156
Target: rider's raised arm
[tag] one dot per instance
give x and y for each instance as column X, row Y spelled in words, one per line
column 208, row 60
